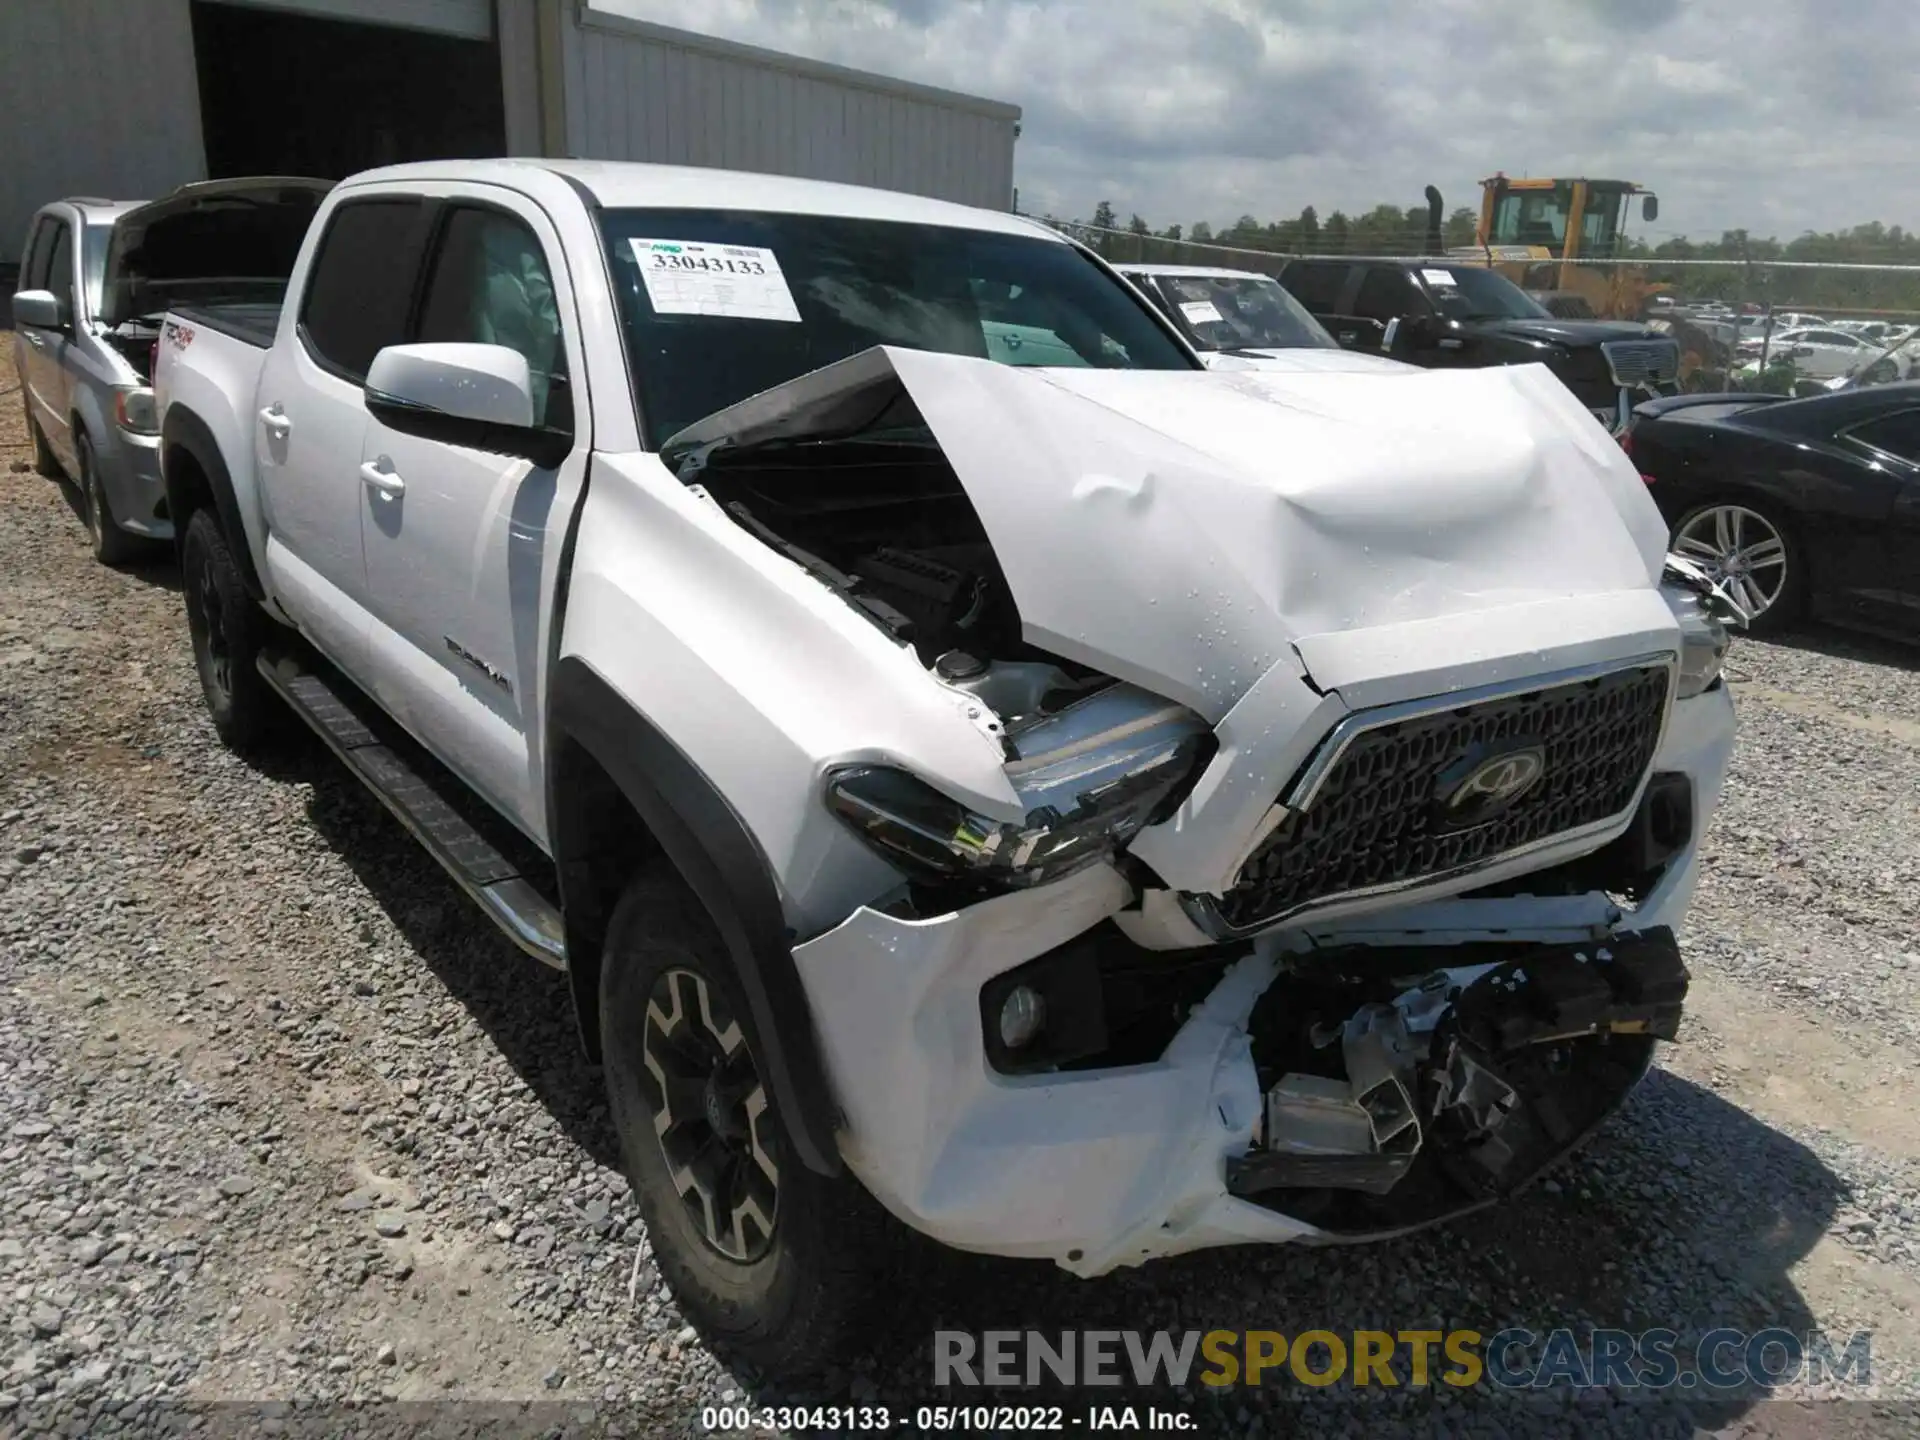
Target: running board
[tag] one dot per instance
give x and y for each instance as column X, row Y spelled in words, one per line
column 492, row 881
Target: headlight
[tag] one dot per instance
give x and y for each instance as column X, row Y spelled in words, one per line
column 133, row 410
column 1090, row 777
column 1703, row 640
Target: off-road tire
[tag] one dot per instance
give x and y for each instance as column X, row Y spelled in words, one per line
column 228, row 629
column 111, row 544
column 798, row 1307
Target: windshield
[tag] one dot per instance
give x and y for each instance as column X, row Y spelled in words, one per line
column 718, row 306
column 1464, row 292
column 1240, row 312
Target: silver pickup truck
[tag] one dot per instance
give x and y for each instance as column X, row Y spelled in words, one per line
column 1059, row 798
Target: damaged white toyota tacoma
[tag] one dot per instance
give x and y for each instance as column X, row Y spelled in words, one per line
column 1095, row 810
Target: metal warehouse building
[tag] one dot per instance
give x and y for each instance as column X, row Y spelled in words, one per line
column 129, row 98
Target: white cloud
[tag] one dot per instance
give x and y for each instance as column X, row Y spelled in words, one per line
column 1771, row 115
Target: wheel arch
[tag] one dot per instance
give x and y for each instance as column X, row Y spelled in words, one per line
column 196, row 477
column 620, row 792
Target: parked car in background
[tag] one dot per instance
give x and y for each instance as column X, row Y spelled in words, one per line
column 1898, row 360
column 89, row 411
column 1236, row 318
column 96, row 278
column 1817, row 354
column 923, row 766
column 1443, row 315
column 1796, row 506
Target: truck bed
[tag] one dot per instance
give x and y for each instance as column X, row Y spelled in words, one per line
column 251, row 321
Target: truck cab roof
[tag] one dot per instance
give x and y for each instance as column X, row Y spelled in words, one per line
column 619, row 185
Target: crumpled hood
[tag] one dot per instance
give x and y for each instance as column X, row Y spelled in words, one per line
column 1182, row 530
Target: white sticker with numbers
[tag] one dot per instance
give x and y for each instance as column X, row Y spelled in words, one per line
column 735, row 282
column 1200, row 312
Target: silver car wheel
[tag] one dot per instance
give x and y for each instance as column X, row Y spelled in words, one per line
column 1741, row 549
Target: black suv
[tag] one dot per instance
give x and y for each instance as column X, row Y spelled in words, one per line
column 1437, row 312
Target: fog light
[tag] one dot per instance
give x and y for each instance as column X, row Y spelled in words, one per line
column 1022, row 1014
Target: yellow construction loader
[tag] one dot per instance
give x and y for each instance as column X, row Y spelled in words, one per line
column 1533, row 230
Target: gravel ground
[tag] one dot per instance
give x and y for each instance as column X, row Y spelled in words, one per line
column 285, row 1121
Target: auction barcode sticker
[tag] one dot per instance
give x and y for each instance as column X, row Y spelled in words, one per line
column 736, row 282
column 1200, row 312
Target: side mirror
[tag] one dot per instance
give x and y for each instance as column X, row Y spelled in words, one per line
column 40, row 309
column 485, row 384
column 1650, row 209
column 1801, row 352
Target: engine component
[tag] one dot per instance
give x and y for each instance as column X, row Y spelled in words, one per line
column 1360, row 1133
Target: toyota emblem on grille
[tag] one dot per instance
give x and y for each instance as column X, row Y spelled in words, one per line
column 1493, row 785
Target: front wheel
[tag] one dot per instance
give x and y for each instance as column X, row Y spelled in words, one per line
column 766, row 1257
column 1752, row 552
column 111, row 544
column 228, row 628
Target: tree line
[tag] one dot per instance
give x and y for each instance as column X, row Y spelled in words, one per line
column 1745, row 271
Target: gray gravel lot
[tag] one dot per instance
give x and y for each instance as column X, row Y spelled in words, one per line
column 284, row 1121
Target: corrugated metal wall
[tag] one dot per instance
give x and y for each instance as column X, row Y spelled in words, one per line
column 636, row 91
column 97, row 97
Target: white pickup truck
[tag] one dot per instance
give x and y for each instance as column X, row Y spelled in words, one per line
column 1095, row 810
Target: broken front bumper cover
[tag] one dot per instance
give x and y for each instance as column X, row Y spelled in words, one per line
column 1466, row 1087
column 1099, row 1168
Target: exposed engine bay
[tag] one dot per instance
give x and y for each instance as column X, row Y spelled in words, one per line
column 881, row 519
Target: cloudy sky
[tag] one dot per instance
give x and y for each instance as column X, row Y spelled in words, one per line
column 1775, row 115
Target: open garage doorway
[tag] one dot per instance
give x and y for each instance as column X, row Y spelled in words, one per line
column 291, row 94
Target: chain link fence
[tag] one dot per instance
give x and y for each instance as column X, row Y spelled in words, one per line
column 1778, row 325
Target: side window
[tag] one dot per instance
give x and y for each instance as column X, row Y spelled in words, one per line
column 1897, row 434
column 361, row 285
column 1315, row 285
column 59, row 276
column 1385, row 295
column 490, row 285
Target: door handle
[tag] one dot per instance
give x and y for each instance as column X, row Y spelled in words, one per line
column 276, row 421
column 382, row 479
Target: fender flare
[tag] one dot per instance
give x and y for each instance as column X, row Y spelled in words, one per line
column 710, row 846
column 184, row 430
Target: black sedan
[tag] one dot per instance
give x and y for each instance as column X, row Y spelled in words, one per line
column 1799, row 506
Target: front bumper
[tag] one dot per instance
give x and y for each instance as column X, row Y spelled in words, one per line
column 129, row 469
column 1098, row 1168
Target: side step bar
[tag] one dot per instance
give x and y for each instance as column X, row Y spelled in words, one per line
column 530, row 920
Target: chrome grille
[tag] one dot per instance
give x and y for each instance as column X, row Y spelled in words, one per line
column 1642, row 362
column 1366, row 813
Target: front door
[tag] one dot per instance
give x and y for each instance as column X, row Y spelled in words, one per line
column 311, row 417
column 50, row 266
column 460, row 541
